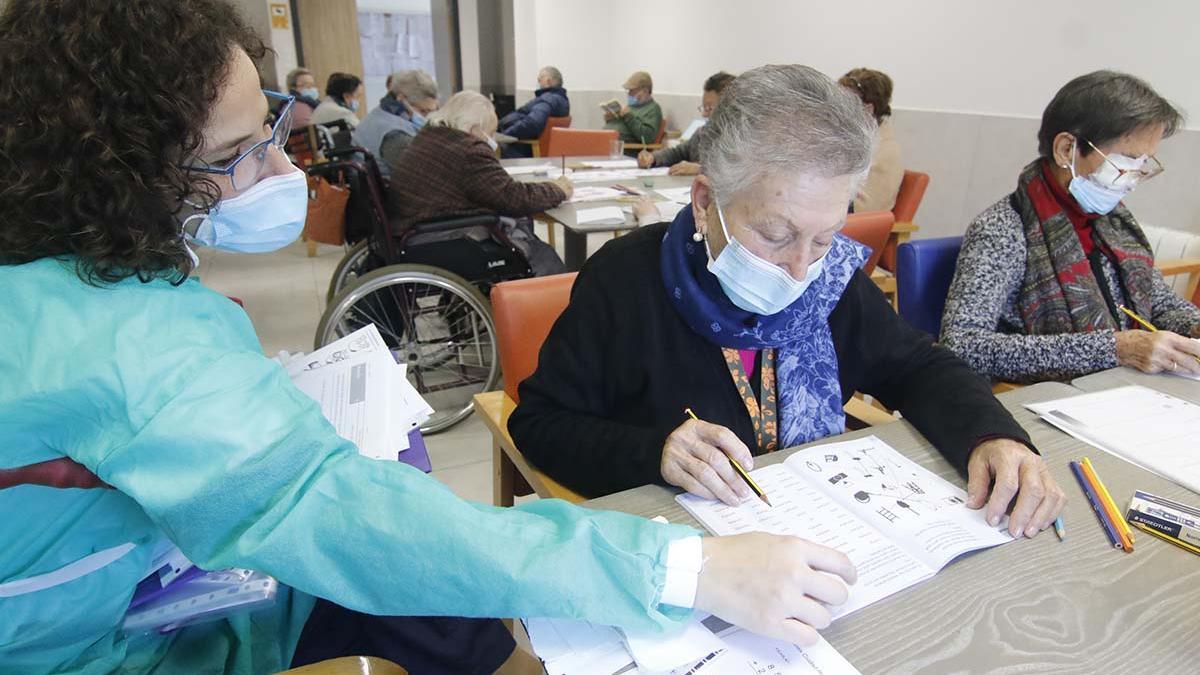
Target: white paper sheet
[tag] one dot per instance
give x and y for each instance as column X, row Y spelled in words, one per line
column 595, row 194
column 679, row 195
column 527, row 169
column 616, row 174
column 1153, row 430
column 604, row 215
column 627, row 163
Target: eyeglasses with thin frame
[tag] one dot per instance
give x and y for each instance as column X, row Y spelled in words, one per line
column 247, row 167
column 705, row 109
column 1132, row 176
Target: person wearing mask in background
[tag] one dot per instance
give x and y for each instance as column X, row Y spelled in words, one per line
column 684, row 159
column 879, row 191
column 638, row 120
column 451, row 169
column 151, row 394
column 343, row 92
column 388, row 129
column 528, row 121
column 302, row 85
column 1042, row 272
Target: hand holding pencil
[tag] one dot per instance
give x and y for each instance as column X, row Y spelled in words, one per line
column 697, row 457
column 1156, row 351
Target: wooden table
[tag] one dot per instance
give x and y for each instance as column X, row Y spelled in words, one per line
column 1032, row 606
column 574, row 234
column 1180, row 387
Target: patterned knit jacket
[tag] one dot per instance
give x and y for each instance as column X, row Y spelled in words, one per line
column 982, row 326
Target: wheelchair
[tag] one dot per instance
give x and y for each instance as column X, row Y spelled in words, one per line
column 425, row 288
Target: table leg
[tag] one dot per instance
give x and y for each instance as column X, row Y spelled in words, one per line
column 503, row 472
column 575, row 248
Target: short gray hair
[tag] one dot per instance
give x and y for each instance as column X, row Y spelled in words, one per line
column 464, row 111
column 414, row 85
column 785, row 118
column 554, row 74
column 295, row 75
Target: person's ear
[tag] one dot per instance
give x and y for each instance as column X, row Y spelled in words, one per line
column 1062, row 149
column 870, row 109
column 702, row 199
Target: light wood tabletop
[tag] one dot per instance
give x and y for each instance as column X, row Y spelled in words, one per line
column 1180, row 387
column 1031, row 606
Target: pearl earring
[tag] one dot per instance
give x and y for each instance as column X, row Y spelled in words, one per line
column 697, row 237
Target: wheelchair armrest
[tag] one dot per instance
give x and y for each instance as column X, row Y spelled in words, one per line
column 454, row 224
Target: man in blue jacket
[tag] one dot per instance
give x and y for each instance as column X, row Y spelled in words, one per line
column 527, row 122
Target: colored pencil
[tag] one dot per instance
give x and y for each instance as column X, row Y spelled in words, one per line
column 1171, row 540
column 1110, row 510
column 1112, row 503
column 738, row 467
column 1059, row 529
column 1094, row 500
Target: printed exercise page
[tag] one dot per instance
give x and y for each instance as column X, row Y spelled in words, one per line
column 802, row 511
column 922, row 512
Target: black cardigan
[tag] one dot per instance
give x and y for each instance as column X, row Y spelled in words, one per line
column 620, row 365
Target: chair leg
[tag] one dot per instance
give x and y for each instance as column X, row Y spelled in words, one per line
column 503, row 472
column 550, row 234
column 312, row 247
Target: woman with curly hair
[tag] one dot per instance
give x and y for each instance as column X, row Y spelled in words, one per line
column 147, row 395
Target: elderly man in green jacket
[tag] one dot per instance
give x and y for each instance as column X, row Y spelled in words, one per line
column 639, row 119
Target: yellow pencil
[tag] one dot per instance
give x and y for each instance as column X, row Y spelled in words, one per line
column 738, row 467
column 1104, row 495
column 1109, row 509
column 1144, row 323
column 1170, row 540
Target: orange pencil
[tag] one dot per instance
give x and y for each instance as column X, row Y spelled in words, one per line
column 1109, row 510
column 1106, row 497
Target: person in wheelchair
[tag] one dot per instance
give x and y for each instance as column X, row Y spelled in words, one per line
column 118, row 363
column 451, row 169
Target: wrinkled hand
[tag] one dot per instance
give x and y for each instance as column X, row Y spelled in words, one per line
column 1157, row 352
column 645, row 159
column 608, row 116
column 645, row 211
column 773, row 585
column 565, row 185
column 624, row 111
column 684, row 169
column 1011, row 469
column 694, row 458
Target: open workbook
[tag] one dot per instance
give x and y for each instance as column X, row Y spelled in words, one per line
column 898, row 522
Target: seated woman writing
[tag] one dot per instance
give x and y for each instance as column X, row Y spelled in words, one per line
column 1043, row 273
column 751, row 309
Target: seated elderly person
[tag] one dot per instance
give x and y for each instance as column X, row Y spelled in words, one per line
column 1044, row 272
column 302, row 85
column 343, row 92
column 388, row 129
column 752, row 290
column 451, row 169
column 528, row 121
column 684, row 159
column 638, row 120
column 879, row 191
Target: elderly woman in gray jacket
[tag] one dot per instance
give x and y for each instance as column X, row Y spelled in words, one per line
column 1046, row 275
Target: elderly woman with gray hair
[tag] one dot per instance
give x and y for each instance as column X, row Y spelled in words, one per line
column 752, row 310
column 1043, row 272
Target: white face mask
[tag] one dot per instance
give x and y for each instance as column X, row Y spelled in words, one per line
column 754, row 284
column 492, row 143
column 266, row 217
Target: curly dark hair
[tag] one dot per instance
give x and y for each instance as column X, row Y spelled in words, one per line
column 340, row 84
column 718, row 82
column 100, row 102
column 872, row 86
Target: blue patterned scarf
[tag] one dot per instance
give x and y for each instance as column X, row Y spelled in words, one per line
column 810, row 395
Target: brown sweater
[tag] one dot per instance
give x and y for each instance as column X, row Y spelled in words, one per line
column 447, row 173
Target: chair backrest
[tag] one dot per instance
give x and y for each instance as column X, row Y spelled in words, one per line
column 579, row 142
column 908, row 200
column 924, row 270
column 1168, row 244
column 871, row 229
column 662, row 131
column 524, row 310
column 551, row 123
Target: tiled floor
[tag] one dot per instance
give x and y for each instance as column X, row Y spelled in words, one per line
column 284, row 295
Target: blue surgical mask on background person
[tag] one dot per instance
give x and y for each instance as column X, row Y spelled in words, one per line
column 631, row 100
column 754, row 284
column 266, row 217
column 1096, row 192
column 354, row 105
column 418, row 120
column 310, row 92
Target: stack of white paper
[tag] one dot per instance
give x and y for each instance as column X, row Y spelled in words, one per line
column 604, row 215
column 362, row 391
column 527, row 169
column 625, row 163
column 679, row 195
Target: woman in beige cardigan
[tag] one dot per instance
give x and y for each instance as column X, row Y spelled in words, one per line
column 878, row 193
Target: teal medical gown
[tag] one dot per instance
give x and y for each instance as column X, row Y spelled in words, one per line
column 164, row 393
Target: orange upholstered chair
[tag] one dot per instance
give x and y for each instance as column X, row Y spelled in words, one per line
column 871, row 229
column 542, row 148
column 566, row 142
column 908, row 200
column 524, row 311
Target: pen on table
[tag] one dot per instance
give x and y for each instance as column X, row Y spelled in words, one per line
column 1144, row 323
column 1059, row 529
column 738, row 467
column 1094, row 501
column 1110, row 509
column 1107, row 497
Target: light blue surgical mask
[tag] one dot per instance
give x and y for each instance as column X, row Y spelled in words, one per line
column 631, row 100
column 354, row 105
column 754, row 284
column 1093, row 195
column 310, row 92
column 418, row 120
column 492, row 143
column 266, row 217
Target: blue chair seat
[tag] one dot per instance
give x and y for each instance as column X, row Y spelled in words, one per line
column 924, row 270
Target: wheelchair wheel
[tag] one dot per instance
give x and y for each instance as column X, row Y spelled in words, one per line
column 355, row 264
column 434, row 321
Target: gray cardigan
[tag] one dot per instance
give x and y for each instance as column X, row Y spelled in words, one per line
column 982, row 326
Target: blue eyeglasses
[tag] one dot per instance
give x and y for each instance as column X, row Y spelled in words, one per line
column 246, row 169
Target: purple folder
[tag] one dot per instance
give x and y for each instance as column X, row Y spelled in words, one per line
column 416, row 454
